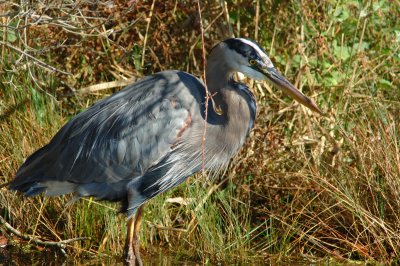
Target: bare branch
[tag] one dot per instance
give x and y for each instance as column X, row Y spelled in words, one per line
column 41, row 63
column 58, row 244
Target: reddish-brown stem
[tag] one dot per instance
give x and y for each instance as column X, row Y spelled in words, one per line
column 207, row 92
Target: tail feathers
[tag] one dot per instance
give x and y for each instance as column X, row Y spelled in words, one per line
column 35, row 189
column 29, row 189
column 50, row 188
column 102, row 191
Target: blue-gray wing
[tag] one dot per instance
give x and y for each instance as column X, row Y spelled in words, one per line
column 114, row 141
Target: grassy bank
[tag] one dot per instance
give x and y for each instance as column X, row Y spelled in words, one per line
column 304, row 184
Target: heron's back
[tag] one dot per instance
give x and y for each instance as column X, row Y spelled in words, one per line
column 116, row 140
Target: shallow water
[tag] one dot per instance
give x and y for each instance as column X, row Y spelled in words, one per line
column 15, row 256
column 12, row 255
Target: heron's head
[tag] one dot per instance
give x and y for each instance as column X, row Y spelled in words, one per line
column 249, row 58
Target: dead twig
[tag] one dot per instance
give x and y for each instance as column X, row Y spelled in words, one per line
column 5, row 184
column 147, row 32
column 160, row 227
column 41, row 63
column 106, row 85
column 58, row 244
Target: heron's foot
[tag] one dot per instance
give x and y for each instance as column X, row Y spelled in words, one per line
column 132, row 254
column 129, row 255
column 136, row 248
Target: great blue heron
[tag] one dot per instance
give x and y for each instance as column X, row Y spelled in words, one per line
column 148, row 137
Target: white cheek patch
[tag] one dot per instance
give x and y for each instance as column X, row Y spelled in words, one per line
column 251, row 73
column 240, row 76
column 262, row 54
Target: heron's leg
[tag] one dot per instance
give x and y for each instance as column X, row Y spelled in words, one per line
column 132, row 244
column 128, row 251
column 136, row 235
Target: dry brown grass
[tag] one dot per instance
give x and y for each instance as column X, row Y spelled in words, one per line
column 302, row 185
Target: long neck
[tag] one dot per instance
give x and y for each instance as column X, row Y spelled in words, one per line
column 232, row 100
column 219, row 84
column 218, row 74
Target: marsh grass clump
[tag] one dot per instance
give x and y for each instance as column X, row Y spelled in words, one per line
column 303, row 185
column 342, row 209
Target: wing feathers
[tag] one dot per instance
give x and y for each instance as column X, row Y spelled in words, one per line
column 114, row 141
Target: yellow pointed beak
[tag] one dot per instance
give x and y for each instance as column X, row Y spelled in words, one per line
column 281, row 82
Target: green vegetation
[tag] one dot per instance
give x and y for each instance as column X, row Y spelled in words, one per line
column 304, row 185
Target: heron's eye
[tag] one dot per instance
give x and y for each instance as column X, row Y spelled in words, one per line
column 252, row 62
